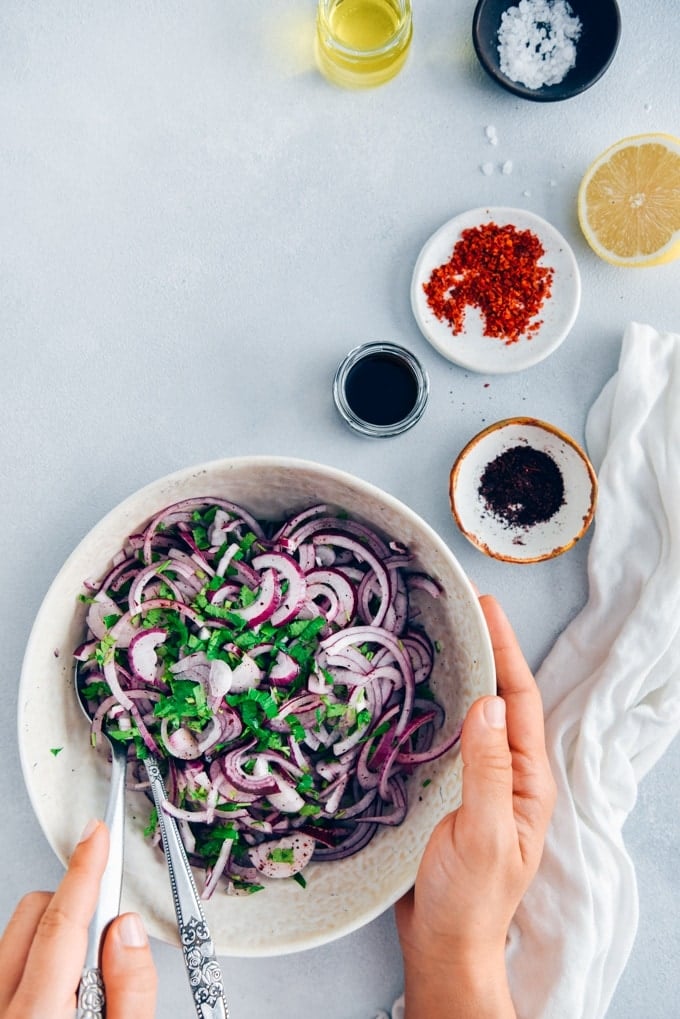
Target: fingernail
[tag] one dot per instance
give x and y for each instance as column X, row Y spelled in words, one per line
column 89, row 829
column 494, row 712
column 132, row 932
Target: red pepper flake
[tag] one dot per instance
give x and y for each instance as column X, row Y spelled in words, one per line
column 495, row 269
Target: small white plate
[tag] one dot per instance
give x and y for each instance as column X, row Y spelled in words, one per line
column 471, row 348
column 516, row 543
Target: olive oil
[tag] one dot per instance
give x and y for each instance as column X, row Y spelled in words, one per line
column 364, row 24
column 363, row 42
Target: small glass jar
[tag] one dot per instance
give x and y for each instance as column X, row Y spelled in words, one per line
column 362, row 43
column 380, row 389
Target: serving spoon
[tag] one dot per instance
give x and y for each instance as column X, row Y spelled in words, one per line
column 200, row 959
column 91, row 998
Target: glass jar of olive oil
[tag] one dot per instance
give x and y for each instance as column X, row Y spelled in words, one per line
column 362, row 43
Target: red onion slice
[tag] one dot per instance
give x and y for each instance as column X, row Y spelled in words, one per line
column 266, row 602
column 142, row 653
column 289, row 570
column 283, row 857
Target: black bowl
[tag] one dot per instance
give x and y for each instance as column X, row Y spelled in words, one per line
column 595, row 49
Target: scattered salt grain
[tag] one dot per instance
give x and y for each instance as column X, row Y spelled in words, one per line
column 537, row 42
column 506, row 168
column 491, row 135
column 487, row 169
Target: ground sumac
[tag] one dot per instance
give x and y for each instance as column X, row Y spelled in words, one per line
column 523, row 486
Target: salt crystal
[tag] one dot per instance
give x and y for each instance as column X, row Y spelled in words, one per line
column 487, row 169
column 491, row 135
column 537, row 42
column 506, row 168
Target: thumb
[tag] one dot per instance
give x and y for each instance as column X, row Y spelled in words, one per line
column 487, row 769
column 128, row 970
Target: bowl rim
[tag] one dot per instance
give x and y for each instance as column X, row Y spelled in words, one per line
column 563, row 436
column 544, row 94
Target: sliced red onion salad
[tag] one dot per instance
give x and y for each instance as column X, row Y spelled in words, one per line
column 277, row 670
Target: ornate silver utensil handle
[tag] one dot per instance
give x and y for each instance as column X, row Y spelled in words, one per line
column 203, row 968
column 91, row 1000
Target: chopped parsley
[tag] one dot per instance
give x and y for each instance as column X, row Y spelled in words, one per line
column 152, row 823
column 281, row 855
column 186, row 705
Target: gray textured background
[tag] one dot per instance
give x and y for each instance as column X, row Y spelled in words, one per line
column 194, row 228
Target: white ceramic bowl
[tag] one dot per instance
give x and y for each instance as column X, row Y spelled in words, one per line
column 470, row 348
column 69, row 788
column 513, row 542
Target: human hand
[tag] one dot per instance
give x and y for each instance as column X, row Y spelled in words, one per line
column 481, row 858
column 42, row 951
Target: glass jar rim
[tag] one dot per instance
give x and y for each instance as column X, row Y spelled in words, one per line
column 351, row 52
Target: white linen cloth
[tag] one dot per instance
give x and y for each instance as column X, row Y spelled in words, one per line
column 611, row 691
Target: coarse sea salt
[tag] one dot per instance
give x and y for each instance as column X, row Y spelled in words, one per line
column 537, row 42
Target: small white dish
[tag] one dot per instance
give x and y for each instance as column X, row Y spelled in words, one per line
column 500, row 535
column 489, row 354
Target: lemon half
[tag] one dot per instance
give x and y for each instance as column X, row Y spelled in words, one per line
column 629, row 201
